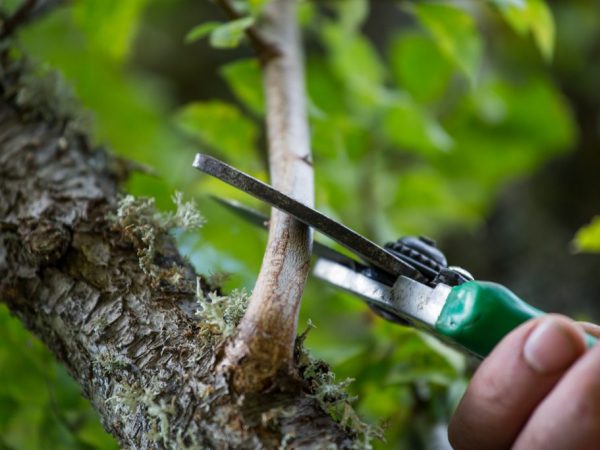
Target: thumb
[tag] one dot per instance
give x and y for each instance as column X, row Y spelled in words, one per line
column 513, row 380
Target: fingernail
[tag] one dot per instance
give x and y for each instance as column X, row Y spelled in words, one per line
column 550, row 347
column 591, row 328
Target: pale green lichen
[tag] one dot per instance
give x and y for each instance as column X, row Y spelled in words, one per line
column 335, row 399
column 160, row 412
column 332, row 395
column 44, row 91
column 174, row 275
column 126, row 400
column 109, row 361
column 220, row 314
column 142, row 225
column 138, row 220
column 186, row 215
column 130, row 398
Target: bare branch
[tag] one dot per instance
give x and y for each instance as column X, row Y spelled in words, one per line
column 264, row 344
column 28, row 10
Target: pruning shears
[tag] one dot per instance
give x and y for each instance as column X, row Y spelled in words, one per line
column 407, row 281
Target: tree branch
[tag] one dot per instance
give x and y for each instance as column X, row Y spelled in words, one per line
column 29, row 10
column 263, row 346
column 74, row 276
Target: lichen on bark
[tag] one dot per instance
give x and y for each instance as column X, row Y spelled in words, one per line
column 130, row 337
column 143, row 226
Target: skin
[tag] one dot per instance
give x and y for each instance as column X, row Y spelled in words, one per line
column 538, row 390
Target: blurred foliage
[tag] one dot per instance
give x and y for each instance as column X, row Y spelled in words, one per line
column 588, row 238
column 455, row 32
column 413, row 136
column 531, row 16
column 40, row 405
column 222, row 35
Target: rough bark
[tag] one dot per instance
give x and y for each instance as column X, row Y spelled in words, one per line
column 262, row 350
column 127, row 335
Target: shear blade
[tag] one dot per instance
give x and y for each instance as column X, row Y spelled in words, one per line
column 256, row 218
column 374, row 292
column 356, row 243
column 407, row 300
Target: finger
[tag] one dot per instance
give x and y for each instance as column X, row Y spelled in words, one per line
column 591, row 328
column 569, row 418
column 510, row 383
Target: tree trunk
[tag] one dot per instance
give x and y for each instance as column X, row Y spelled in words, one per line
column 109, row 294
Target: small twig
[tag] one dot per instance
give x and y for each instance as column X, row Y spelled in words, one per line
column 29, row 10
column 265, row 50
column 20, row 16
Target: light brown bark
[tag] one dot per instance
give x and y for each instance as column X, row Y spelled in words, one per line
column 262, row 349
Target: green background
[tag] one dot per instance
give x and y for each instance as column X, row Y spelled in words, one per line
column 422, row 114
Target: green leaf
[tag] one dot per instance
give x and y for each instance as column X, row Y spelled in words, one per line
column 417, row 362
column 110, row 25
column 426, row 201
column 354, row 57
column 339, row 135
column 10, row 6
column 455, row 33
column 352, row 13
column 587, row 238
column 253, row 7
column 256, row 6
column 306, row 13
column 534, row 111
column 419, row 67
column 357, row 64
column 230, row 34
column 129, row 107
column 201, row 31
column 324, row 88
column 245, row 81
column 531, row 16
column 222, row 35
column 221, row 126
column 410, row 128
column 40, row 404
column 508, row 3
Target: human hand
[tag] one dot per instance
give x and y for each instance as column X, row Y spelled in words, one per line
column 538, row 390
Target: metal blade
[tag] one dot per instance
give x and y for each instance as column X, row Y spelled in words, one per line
column 245, row 212
column 379, row 294
column 418, row 303
column 256, row 218
column 356, row 243
column 414, row 302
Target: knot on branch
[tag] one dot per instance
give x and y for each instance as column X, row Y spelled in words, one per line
column 46, row 240
column 268, row 369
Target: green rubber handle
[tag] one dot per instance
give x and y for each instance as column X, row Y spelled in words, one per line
column 478, row 314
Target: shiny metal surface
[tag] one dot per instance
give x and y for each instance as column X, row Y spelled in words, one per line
column 254, row 217
column 348, row 279
column 410, row 300
column 356, row 243
column 419, row 302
